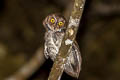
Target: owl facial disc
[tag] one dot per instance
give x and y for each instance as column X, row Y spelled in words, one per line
column 54, row 22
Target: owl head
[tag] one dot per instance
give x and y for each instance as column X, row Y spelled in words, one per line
column 55, row 22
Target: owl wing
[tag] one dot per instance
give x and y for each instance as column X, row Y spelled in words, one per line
column 50, row 48
column 47, row 44
column 73, row 65
column 46, row 51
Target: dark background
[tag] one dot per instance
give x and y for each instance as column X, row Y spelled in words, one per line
column 22, row 33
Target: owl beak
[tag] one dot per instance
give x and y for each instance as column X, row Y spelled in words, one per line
column 55, row 28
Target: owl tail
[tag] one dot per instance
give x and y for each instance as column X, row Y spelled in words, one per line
column 73, row 65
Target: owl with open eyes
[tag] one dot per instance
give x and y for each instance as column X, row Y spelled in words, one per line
column 55, row 25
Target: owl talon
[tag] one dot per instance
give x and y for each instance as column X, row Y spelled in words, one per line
column 46, row 56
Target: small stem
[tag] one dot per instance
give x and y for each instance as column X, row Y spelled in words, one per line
column 28, row 69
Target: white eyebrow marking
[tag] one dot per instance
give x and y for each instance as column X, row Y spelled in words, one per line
column 55, row 18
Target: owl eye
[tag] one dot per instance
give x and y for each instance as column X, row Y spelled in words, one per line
column 52, row 20
column 60, row 23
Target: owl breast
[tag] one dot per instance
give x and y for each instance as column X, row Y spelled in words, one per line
column 52, row 43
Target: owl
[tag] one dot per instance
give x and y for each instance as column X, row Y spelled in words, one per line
column 55, row 26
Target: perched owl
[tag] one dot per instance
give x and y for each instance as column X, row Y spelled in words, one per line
column 55, row 25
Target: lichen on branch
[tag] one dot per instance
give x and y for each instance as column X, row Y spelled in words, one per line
column 69, row 37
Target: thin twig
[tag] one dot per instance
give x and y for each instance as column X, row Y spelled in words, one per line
column 28, row 69
column 69, row 37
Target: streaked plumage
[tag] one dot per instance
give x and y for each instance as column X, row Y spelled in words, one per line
column 55, row 29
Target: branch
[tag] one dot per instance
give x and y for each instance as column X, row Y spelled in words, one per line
column 28, row 69
column 69, row 37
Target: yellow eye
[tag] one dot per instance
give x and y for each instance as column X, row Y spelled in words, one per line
column 60, row 23
column 52, row 20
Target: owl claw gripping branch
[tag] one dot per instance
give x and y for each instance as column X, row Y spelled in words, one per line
column 55, row 26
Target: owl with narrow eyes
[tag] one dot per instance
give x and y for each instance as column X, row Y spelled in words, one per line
column 55, row 26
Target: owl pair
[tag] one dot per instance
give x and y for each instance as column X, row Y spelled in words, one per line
column 55, row 25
